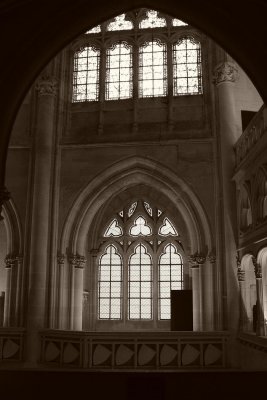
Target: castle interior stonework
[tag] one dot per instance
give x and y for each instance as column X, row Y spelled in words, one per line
column 134, row 167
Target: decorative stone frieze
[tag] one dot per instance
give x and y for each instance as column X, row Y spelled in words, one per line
column 46, row 86
column 225, row 72
column 192, row 260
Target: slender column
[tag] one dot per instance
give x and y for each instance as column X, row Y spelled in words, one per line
column 225, row 75
column 209, row 298
column 200, row 259
column 93, row 306
column 77, row 265
column 260, row 330
column 195, row 293
column 61, row 303
column 242, row 294
column 18, row 301
column 38, row 269
column 7, row 306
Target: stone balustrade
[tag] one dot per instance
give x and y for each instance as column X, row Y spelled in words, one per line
column 256, row 129
column 134, row 350
column 11, row 345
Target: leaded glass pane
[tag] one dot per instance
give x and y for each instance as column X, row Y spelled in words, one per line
column 119, row 72
column 148, row 208
column 170, row 278
column 153, row 69
column 113, row 229
column 86, row 75
column 167, row 228
column 96, row 29
column 187, row 71
column 152, row 20
column 140, row 289
column 110, row 285
column 140, row 227
column 119, row 24
column 178, row 22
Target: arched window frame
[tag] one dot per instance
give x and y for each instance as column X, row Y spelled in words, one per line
column 126, row 249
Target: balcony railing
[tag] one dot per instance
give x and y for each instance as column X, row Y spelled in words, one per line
column 256, row 129
column 134, row 350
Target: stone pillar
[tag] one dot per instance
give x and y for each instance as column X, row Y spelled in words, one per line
column 195, row 293
column 242, row 295
column 77, row 263
column 225, row 75
column 40, row 228
column 260, row 328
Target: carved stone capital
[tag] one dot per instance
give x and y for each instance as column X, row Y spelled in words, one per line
column 240, row 272
column 80, row 262
column 77, row 261
column 192, row 259
column 225, row 72
column 200, row 258
column 10, row 261
column 60, row 259
column 241, row 275
column 211, row 258
column 257, row 268
column 46, row 86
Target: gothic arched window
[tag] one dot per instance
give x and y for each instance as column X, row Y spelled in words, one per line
column 119, row 72
column 153, row 69
column 86, row 74
column 140, row 262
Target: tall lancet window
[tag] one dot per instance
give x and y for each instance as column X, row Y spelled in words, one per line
column 119, row 72
column 140, row 262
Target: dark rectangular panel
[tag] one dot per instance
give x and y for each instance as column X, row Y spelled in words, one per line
column 181, row 310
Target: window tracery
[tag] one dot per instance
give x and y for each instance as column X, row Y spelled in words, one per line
column 152, row 20
column 139, row 264
column 119, row 24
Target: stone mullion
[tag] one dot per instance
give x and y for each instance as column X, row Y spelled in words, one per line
column 135, row 87
column 170, row 86
column 102, row 87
